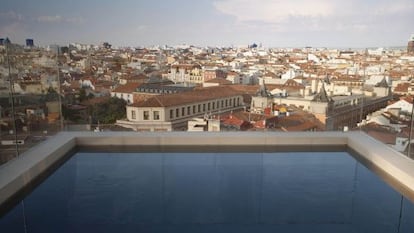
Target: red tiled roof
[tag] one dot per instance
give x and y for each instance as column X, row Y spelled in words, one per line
column 409, row 99
column 289, row 85
column 246, row 89
column 385, row 137
column 127, row 88
column 402, row 87
column 305, row 126
column 233, row 120
column 219, row 81
column 186, row 66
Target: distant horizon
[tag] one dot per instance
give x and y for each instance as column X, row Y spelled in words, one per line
column 400, row 47
column 201, row 46
column 221, row 23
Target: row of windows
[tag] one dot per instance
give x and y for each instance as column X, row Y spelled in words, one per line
column 158, row 91
column 200, row 108
column 146, row 115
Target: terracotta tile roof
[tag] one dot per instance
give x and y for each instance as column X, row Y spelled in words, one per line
column 385, row 137
column 198, row 95
column 246, row 89
column 75, row 84
column 127, row 88
column 409, row 99
column 305, row 126
column 219, row 81
column 300, row 121
column 233, row 120
column 246, row 116
column 186, row 66
column 402, row 87
column 289, row 85
column 405, row 133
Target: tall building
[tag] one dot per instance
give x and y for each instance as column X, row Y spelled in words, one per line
column 410, row 46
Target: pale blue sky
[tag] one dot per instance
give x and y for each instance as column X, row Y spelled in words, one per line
column 274, row 23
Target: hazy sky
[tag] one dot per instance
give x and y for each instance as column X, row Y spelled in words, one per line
column 274, row 23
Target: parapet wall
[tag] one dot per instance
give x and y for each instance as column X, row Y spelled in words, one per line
column 22, row 171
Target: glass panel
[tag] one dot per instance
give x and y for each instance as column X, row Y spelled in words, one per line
column 30, row 96
column 299, row 90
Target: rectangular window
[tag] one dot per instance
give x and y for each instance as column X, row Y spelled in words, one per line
column 194, row 109
column 199, row 108
column 182, row 111
column 204, row 107
column 171, row 114
column 177, row 112
column 188, row 110
column 214, row 105
column 227, row 101
column 146, row 115
column 156, row 115
column 230, row 102
column 222, row 103
column 133, row 114
column 208, row 106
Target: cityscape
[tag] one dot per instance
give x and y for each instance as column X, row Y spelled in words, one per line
column 190, row 88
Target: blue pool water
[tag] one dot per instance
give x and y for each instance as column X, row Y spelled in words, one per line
column 212, row 192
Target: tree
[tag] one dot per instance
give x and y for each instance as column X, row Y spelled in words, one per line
column 110, row 111
column 70, row 114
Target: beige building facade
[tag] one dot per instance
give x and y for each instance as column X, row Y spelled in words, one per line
column 172, row 112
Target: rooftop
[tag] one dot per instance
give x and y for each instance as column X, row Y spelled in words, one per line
column 196, row 96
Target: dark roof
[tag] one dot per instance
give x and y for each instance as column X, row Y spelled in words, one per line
column 383, row 83
column 151, row 87
column 322, row 96
column 263, row 92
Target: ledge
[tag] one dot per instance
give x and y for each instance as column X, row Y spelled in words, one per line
column 21, row 172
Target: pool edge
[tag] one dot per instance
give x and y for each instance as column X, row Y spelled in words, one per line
column 17, row 174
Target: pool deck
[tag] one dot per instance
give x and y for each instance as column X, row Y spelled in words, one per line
column 22, row 171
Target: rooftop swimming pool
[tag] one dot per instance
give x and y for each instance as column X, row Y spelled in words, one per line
column 212, row 192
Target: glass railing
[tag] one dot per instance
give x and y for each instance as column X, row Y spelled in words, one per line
column 45, row 91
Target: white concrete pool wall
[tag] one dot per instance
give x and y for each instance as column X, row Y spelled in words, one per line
column 21, row 171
